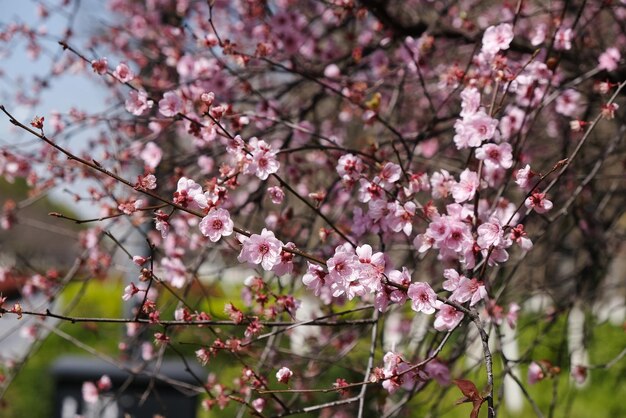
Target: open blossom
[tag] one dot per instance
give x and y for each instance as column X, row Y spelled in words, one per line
column 471, row 290
column 563, row 39
column 441, row 183
column 315, row 278
column 123, row 73
column 189, row 194
column 523, row 177
column 518, row 235
column 349, row 167
column 490, row 233
column 130, row 291
column 284, row 374
column 472, row 130
column 609, row 59
column 276, row 194
column 453, row 279
column 170, row 104
column 263, row 160
column 100, row 66
column 567, row 103
column 447, row 318
column 497, row 38
column 538, row 202
column 423, row 297
column 216, row 224
column 470, row 101
column 390, row 174
column 466, row 188
column 151, row 155
column 261, row 249
column 138, row 102
column 496, row 155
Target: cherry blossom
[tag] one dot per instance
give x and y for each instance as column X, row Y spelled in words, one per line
column 538, row 202
column 216, row 224
column 423, row 298
column 261, row 249
column 151, row 155
column 263, row 160
column 123, row 73
column 497, row 38
column 466, row 187
column 535, row 373
column 170, row 104
column 609, row 59
column 138, row 102
column 283, row 375
column 447, row 318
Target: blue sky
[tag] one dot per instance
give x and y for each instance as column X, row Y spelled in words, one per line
column 70, row 90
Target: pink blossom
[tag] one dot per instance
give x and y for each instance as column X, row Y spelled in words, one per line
column 535, row 373
column 496, row 155
column 608, row 110
column 472, row 130
column 438, row 371
column 276, row 194
column 518, row 235
column 151, row 155
column 497, row 38
column 258, row 404
column 441, row 183
column 470, row 101
column 263, row 160
column 349, row 167
column 189, row 194
column 100, row 65
column 130, row 291
column 203, row 355
column 401, row 219
column 512, row 315
column 471, row 290
column 490, row 233
column 123, row 73
column 423, row 297
column 283, row 375
column 138, row 102
column 567, row 103
column 609, row 59
column 170, row 104
column 285, row 265
column 466, row 188
column 104, row 383
column 538, row 35
column 523, row 177
column 563, row 39
column 175, row 271
column 147, row 182
column 261, row 249
column 390, row 174
column 162, row 224
column 314, row 279
column 453, row 279
column 447, row 318
column 216, row 224
column 90, row 392
column 147, row 351
column 538, row 202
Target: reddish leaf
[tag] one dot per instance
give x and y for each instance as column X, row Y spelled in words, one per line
column 472, row 395
column 468, row 388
